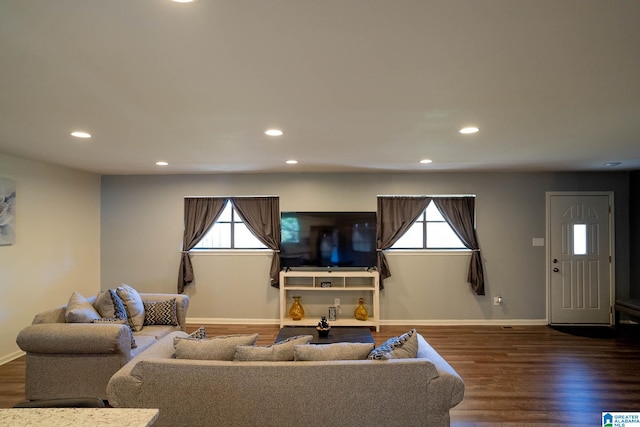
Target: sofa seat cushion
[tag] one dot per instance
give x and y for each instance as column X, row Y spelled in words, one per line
column 143, row 342
column 156, row 331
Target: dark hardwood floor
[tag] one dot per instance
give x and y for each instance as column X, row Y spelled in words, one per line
column 518, row 376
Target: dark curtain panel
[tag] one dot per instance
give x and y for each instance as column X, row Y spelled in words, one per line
column 459, row 213
column 396, row 214
column 262, row 217
column 199, row 215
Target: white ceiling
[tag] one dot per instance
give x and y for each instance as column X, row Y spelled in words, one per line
column 356, row 85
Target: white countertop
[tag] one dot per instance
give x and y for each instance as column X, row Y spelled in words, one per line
column 78, row 417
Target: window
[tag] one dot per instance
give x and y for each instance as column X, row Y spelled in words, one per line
column 229, row 232
column 579, row 239
column 430, row 231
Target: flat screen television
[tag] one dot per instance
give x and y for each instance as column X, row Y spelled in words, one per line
column 328, row 239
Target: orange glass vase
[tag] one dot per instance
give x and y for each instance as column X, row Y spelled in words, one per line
column 296, row 312
column 360, row 312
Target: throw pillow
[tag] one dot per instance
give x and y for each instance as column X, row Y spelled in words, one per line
column 80, row 310
column 161, row 313
column 279, row 351
column 114, row 320
column 403, row 347
column 218, row 348
column 198, row 334
column 104, row 305
column 119, row 311
column 134, row 306
column 336, row 351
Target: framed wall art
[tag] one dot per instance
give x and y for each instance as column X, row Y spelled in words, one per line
column 7, row 211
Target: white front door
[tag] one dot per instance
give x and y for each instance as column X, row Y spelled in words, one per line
column 580, row 258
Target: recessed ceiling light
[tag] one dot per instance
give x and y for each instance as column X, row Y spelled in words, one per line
column 162, row 163
column 291, row 162
column 80, row 134
column 468, row 130
column 183, row 1
column 273, row 132
column 612, row 164
column 426, row 161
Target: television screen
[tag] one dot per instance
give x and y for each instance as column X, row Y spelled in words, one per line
column 328, row 239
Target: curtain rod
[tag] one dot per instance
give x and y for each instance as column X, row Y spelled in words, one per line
column 426, row 195
column 225, row 197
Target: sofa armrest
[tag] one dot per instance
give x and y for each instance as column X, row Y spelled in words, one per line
column 182, row 304
column 448, row 381
column 75, row 338
column 52, row 315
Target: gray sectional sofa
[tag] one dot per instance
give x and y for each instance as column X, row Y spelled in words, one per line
column 66, row 360
column 408, row 392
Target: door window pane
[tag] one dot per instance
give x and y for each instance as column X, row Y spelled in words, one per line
column 579, row 239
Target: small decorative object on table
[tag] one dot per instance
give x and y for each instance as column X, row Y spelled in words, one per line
column 323, row 328
column 296, row 311
column 361, row 311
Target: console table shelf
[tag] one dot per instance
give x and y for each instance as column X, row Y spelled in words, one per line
column 350, row 285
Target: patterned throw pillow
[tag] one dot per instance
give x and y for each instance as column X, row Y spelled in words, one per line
column 280, row 351
column 114, row 320
column 403, row 347
column 119, row 311
column 198, row 334
column 161, row 313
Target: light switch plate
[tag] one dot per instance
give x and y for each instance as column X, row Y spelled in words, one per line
column 538, row 241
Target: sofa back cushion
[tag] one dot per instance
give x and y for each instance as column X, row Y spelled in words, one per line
column 279, row 351
column 336, row 351
column 217, row 348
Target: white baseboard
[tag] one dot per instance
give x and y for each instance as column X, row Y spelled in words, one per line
column 435, row 322
column 12, row 356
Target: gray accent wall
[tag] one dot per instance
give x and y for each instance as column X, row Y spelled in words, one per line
column 142, row 223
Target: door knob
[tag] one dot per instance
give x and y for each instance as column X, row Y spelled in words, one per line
column 556, row 269
column 555, row 260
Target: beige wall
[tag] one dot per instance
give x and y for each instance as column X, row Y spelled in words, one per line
column 57, row 248
column 142, row 236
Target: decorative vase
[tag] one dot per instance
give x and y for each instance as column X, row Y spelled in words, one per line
column 296, row 312
column 361, row 312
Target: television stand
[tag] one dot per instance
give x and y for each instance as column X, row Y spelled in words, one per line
column 320, row 289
